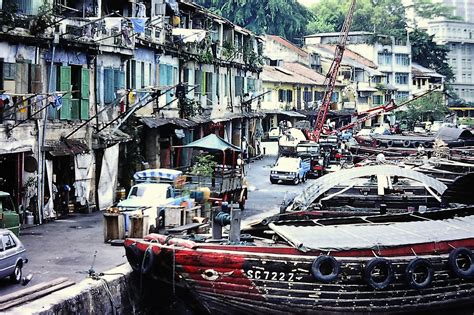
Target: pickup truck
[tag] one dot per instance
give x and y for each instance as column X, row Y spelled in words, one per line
column 148, row 197
column 318, row 160
column 290, row 169
column 9, row 217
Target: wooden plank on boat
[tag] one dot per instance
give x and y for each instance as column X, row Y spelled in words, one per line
column 185, row 228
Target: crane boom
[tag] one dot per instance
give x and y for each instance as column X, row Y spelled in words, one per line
column 332, row 73
column 384, row 109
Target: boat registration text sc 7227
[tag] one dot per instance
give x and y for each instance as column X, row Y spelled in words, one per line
column 270, row 275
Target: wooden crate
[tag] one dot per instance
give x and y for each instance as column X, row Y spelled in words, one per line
column 139, row 226
column 114, row 227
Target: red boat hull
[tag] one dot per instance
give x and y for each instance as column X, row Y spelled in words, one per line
column 259, row 279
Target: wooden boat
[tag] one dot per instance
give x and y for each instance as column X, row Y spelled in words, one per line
column 391, row 263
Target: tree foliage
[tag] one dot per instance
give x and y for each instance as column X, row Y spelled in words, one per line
column 386, row 17
column 430, row 107
column 429, row 54
column 286, row 18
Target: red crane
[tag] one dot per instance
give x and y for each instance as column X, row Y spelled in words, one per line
column 332, row 74
column 388, row 107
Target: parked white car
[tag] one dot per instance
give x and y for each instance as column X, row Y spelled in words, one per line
column 12, row 256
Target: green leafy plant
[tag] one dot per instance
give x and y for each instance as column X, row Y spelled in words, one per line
column 204, row 166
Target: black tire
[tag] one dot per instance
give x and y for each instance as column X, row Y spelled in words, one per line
column 325, row 269
column 461, row 262
column 296, row 181
column 406, row 143
column 389, row 143
column 273, row 181
column 134, row 257
column 148, row 261
column 305, row 177
column 380, row 265
column 419, row 273
column 17, row 274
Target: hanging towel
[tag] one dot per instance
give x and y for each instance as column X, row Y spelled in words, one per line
column 139, row 25
column 141, row 10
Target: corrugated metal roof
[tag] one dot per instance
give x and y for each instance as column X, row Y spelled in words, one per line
column 65, row 147
column 159, row 122
column 420, row 71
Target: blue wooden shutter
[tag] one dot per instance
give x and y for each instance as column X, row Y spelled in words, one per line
column 52, row 112
column 169, row 82
column 65, row 86
column 108, row 85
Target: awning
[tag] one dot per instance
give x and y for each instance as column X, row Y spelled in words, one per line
column 292, row 114
column 200, row 119
column 159, row 122
column 109, row 137
column 227, row 117
column 16, row 146
column 211, row 142
column 366, row 89
column 65, row 147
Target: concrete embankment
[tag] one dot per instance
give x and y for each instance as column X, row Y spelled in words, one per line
column 111, row 293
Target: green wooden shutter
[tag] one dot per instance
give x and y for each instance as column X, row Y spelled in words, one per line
column 85, row 92
column 65, row 86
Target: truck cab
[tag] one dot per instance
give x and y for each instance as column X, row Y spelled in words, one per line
column 9, row 217
column 290, row 169
column 311, row 151
column 147, row 198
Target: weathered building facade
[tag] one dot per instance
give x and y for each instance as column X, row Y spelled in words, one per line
column 92, row 90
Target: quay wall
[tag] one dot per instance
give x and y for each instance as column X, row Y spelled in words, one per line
column 111, row 293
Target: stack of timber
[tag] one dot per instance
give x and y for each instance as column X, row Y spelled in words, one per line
column 32, row 293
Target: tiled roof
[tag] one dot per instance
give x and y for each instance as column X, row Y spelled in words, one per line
column 277, row 74
column 348, row 54
column 288, row 45
column 420, row 71
column 309, row 73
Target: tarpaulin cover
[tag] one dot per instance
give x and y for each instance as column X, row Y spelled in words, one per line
column 108, row 177
column 212, row 142
column 162, row 173
column 374, row 236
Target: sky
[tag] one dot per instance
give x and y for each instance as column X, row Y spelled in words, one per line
column 308, row 2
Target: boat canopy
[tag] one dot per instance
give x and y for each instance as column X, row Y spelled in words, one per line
column 373, row 235
column 342, row 177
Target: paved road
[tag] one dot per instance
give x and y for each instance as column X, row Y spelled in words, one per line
column 265, row 198
column 67, row 247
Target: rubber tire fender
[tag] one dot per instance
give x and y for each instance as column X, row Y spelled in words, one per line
column 389, row 143
column 134, row 256
column 369, row 267
column 148, row 261
column 410, row 269
column 316, row 268
column 406, row 143
column 453, row 256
